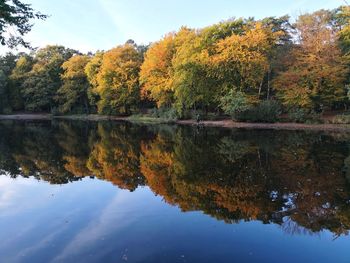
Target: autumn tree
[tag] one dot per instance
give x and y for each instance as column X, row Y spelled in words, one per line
column 73, row 94
column 92, row 69
column 118, row 80
column 156, row 74
column 241, row 61
column 315, row 70
column 196, row 84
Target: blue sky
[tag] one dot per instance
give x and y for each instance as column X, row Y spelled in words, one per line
column 89, row 25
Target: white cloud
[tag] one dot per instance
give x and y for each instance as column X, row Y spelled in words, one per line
column 108, row 222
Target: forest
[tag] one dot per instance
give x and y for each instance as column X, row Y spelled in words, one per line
column 251, row 70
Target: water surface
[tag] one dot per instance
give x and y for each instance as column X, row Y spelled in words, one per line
column 116, row 192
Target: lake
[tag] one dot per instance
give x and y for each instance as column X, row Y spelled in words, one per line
column 76, row 191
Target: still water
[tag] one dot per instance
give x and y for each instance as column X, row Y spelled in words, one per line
column 117, row 192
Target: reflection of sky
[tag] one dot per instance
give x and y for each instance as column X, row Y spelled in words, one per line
column 93, row 221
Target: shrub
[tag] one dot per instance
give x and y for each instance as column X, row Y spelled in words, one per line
column 266, row 111
column 297, row 115
column 7, row 111
column 234, row 103
column 55, row 111
column 169, row 114
column 79, row 109
column 300, row 115
column 341, row 119
column 192, row 114
column 212, row 116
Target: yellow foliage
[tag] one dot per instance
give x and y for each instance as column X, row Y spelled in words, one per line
column 156, row 71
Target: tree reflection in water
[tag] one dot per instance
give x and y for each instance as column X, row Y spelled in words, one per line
column 298, row 180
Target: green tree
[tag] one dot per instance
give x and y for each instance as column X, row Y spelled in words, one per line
column 73, row 94
column 7, row 63
column 279, row 49
column 234, row 102
column 193, row 86
column 92, row 69
column 3, row 93
column 18, row 75
column 342, row 22
column 42, row 82
column 18, row 16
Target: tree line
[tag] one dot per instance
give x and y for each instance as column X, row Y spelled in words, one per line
column 239, row 66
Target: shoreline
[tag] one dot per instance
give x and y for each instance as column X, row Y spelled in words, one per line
column 220, row 123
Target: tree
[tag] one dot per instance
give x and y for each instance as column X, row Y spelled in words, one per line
column 141, row 49
column 214, row 33
column 3, row 93
column 17, row 77
column 316, row 69
column 234, row 102
column 7, row 64
column 118, row 80
column 175, row 71
column 73, row 94
column 342, row 22
column 91, row 70
column 242, row 61
column 42, row 82
column 193, row 86
column 279, row 50
column 16, row 16
column 157, row 71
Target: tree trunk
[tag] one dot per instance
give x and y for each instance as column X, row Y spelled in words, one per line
column 260, row 87
column 86, row 106
column 268, row 84
column 126, row 109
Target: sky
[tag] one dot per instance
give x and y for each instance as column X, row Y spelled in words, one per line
column 90, row 25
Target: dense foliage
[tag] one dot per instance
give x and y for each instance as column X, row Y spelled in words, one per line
column 239, row 67
column 15, row 22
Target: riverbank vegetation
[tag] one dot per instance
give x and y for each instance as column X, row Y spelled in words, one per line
column 252, row 70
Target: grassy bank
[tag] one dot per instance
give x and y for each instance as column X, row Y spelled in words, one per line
column 226, row 123
column 149, row 119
